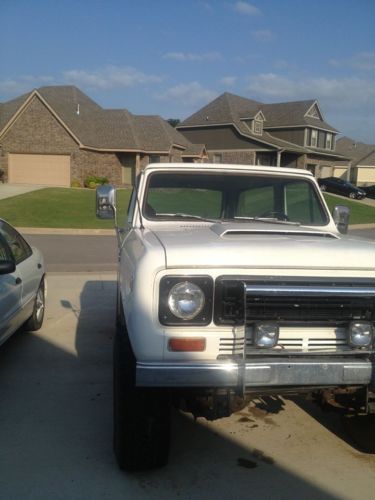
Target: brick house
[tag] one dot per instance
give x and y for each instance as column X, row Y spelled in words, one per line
column 362, row 161
column 54, row 135
column 239, row 130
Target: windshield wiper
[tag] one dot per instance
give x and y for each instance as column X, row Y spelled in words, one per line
column 269, row 220
column 188, row 216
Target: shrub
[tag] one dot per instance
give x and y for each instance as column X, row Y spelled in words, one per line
column 92, row 181
column 75, row 183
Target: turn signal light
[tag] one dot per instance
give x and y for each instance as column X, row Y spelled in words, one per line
column 187, row 344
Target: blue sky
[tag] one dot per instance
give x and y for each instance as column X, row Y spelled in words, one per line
column 171, row 57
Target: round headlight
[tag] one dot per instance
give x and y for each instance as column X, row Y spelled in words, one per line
column 186, row 300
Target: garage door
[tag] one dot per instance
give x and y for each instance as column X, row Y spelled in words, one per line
column 49, row 170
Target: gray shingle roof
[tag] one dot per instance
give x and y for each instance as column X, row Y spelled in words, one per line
column 8, row 109
column 230, row 108
column 98, row 128
column 359, row 152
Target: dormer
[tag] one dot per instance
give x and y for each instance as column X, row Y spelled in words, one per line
column 255, row 125
column 314, row 112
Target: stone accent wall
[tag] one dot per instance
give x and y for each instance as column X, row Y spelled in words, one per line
column 84, row 163
column 234, row 157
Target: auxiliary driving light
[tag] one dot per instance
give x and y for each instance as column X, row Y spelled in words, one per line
column 266, row 334
column 361, row 334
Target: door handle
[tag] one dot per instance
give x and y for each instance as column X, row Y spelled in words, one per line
column 18, row 281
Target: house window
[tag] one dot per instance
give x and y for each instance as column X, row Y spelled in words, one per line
column 314, row 138
column 154, row 158
column 329, row 141
column 258, row 127
column 217, row 158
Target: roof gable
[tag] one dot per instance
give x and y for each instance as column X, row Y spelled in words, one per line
column 94, row 127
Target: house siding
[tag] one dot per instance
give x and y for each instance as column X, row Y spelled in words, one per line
column 295, row 136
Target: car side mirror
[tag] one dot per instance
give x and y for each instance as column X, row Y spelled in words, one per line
column 7, row 262
column 340, row 216
column 106, row 202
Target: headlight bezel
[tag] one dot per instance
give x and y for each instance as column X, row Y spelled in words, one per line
column 203, row 317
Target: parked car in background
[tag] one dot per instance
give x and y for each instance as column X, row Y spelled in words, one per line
column 370, row 191
column 22, row 283
column 339, row 186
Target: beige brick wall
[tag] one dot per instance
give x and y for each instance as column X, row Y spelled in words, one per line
column 234, row 157
column 35, row 131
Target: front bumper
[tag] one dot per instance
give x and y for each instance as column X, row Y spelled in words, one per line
column 262, row 373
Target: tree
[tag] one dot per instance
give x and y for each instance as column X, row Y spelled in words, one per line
column 174, row 121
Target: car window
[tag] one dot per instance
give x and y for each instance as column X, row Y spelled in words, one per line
column 20, row 249
column 232, row 196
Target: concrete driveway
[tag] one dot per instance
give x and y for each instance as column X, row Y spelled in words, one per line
column 56, row 424
column 10, row 190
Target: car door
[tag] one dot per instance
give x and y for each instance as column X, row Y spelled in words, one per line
column 28, row 272
column 10, row 296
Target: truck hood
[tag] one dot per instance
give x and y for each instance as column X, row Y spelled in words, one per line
column 263, row 245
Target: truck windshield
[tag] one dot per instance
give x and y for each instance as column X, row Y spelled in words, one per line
column 232, row 196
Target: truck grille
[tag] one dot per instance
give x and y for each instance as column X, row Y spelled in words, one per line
column 312, row 315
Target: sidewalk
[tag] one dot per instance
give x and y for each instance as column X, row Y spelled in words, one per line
column 10, row 190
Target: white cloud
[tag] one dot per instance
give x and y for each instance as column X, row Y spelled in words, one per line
column 191, row 57
column 228, row 81
column 262, row 35
column 364, row 61
column 246, row 8
column 109, row 78
column 25, row 83
column 188, row 94
column 342, row 92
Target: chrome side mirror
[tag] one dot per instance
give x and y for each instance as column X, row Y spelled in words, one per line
column 341, row 218
column 106, row 202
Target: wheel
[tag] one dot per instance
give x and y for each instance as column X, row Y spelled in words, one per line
column 141, row 416
column 35, row 321
column 323, row 187
column 353, row 196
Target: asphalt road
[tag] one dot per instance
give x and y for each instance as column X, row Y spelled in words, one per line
column 64, row 253
column 56, row 424
column 79, row 253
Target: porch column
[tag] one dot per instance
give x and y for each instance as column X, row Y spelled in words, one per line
column 278, row 160
column 348, row 171
column 137, row 164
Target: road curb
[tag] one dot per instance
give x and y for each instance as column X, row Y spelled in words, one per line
column 66, row 231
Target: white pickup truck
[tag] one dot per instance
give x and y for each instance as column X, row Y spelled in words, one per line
column 234, row 281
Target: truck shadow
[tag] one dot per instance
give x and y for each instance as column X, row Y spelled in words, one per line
column 357, row 431
column 56, row 419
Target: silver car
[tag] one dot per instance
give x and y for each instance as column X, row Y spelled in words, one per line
column 22, row 283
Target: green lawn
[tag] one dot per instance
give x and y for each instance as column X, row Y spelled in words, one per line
column 359, row 212
column 59, row 208
column 75, row 208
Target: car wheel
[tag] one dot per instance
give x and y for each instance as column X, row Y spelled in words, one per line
column 35, row 321
column 323, row 187
column 141, row 415
column 352, row 195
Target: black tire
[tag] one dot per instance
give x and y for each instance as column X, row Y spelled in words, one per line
column 352, row 195
column 141, row 416
column 323, row 187
column 35, row 321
